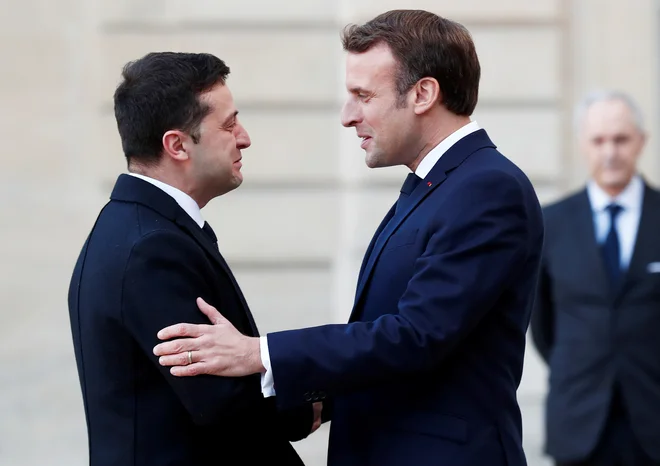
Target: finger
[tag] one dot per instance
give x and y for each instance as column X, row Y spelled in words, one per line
column 190, row 370
column 180, row 359
column 179, row 345
column 209, row 311
column 182, row 330
column 316, row 425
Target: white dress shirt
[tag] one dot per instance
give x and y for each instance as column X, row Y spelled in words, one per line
column 627, row 222
column 423, row 169
column 186, row 202
column 191, row 207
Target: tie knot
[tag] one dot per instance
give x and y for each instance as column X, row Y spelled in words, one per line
column 410, row 184
column 614, row 210
column 209, row 231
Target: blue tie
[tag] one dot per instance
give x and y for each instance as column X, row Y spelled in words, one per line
column 408, row 187
column 610, row 248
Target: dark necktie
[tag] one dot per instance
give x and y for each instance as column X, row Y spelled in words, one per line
column 210, row 233
column 214, row 239
column 408, row 187
column 610, row 247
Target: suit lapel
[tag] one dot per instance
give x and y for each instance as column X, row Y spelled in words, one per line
column 187, row 223
column 379, row 230
column 589, row 254
column 646, row 240
column 132, row 189
column 455, row 156
column 416, row 197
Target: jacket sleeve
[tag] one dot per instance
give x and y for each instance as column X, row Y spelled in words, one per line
column 473, row 254
column 164, row 275
column 542, row 322
column 296, row 423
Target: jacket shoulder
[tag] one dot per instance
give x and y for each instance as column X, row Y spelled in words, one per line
column 567, row 205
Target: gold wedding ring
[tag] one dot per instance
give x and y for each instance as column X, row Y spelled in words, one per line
column 189, row 357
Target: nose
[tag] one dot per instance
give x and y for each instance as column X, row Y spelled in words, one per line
column 349, row 114
column 609, row 150
column 242, row 137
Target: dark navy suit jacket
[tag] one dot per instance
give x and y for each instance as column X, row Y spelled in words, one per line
column 140, row 270
column 426, row 373
column 595, row 337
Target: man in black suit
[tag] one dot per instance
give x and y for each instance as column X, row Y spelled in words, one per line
column 597, row 314
column 148, row 257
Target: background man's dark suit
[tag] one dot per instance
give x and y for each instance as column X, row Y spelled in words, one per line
column 142, row 267
column 427, row 371
column 602, row 343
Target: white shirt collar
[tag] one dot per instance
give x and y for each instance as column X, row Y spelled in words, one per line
column 630, row 198
column 428, row 162
column 186, row 202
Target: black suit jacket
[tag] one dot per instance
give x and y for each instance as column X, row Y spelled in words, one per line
column 594, row 337
column 141, row 268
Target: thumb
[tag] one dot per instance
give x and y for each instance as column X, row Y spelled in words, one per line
column 209, row 311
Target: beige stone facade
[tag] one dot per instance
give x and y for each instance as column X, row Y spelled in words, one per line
column 296, row 230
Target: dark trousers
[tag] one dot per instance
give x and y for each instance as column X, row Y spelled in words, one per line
column 618, row 445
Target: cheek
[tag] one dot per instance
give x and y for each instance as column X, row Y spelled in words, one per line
column 595, row 158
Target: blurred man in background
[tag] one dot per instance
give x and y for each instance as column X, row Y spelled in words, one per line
column 597, row 313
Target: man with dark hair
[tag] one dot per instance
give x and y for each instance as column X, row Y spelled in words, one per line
column 427, row 369
column 147, row 258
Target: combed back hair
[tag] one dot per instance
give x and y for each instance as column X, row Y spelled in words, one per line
column 602, row 96
column 161, row 92
column 424, row 45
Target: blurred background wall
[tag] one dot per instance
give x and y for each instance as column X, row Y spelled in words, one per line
column 296, row 230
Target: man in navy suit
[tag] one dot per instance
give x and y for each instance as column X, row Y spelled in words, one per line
column 426, row 371
column 147, row 258
column 596, row 321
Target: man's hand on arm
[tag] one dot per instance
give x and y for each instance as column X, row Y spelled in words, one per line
column 165, row 273
column 217, row 349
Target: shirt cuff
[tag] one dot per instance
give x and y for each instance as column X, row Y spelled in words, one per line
column 267, row 381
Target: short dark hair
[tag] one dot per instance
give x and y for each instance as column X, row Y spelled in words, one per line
column 425, row 45
column 160, row 92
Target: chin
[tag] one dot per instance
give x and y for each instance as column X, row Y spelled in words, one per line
column 615, row 183
column 373, row 161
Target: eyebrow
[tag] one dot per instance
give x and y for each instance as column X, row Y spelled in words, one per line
column 357, row 90
column 230, row 118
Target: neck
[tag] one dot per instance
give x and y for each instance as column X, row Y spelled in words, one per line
column 614, row 190
column 436, row 133
column 176, row 180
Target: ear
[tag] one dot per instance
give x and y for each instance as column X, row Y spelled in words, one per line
column 173, row 145
column 645, row 137
column 426, row 94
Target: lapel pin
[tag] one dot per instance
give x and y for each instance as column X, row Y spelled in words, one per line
column 430, row 184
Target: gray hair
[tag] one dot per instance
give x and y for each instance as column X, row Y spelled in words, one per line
column 605, row 95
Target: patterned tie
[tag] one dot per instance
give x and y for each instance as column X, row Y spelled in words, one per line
column 408, row 187
column 610, row 248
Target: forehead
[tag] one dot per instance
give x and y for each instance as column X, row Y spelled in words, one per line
column 371, row 68
column 220, row 99
column 609, row 116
